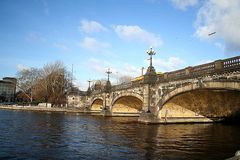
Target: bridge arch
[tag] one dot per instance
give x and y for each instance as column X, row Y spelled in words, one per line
column 127, row 103
column 96, row 104
column 191, row 87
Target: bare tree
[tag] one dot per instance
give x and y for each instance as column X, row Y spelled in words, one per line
column 98, row 84
column 53, row 83
column 125, row 79
column 48, row 84
column 26, row 82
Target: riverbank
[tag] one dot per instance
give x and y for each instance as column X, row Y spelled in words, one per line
column 145, row 118
column 78, row 111
column 42, row 109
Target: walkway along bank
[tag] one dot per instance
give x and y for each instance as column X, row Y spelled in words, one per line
column 204, row 93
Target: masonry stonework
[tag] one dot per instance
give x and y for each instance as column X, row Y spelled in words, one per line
column 203, row 93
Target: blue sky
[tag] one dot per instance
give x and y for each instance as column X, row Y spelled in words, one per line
column 94, row 35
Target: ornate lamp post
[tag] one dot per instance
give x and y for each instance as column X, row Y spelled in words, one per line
column 150, row 78
column 151, row 69
column 142, row 69
column 89, row 83
column 107, row 91
column 108, row 73
column 89, row 88
column 108, row 83
column 151, row 52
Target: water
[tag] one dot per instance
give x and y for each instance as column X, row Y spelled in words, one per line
column 31, row 135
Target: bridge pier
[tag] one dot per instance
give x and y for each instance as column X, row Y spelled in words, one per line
column 106, row 113
column 146, row 98
column 148, row 114
column 149, row 81
column 148, row 117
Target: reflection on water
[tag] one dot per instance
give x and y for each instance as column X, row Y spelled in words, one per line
column 29, row 135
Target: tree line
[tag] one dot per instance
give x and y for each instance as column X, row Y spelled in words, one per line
column 48, row 84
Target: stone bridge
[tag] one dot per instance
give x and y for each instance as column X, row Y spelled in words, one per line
column 202, row 93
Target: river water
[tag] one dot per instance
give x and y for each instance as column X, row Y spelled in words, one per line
column 32, row 135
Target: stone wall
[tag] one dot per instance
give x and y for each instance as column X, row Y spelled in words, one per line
column 208, row 103
column 173, row 110
column 127, row 104
column 97, row 105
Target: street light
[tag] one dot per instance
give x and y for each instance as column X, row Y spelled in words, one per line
column 150, row 77
column 89, row 83
column 89, row 89
column 142, row 70
column 151, row 52
column 108, row 83
column 108, row 73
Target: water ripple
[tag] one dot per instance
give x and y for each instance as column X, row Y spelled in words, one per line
column 30, row 135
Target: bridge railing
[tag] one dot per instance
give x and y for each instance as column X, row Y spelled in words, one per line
column 97, row 92
column 231, row 63
column 204, row 69
column 216, row 67
column 176, row 74
column 209, row 69
column 122, row 86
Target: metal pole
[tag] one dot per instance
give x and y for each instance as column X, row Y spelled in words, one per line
column 150, row 60
column 142, row 70
column 108, row 73
column 151, row 52
column 89, row 83
column 72, row 77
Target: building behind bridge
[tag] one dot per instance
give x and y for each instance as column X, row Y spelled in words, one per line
column 75, row 97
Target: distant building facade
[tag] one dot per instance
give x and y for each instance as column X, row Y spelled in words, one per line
column 8, row 89
column 75, row 98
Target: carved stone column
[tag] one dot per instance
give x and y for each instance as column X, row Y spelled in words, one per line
column 218, row 66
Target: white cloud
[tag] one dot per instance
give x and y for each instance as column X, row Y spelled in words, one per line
column 98, row 66
column 203, row 62
column 45, row 5
column 94, row 45
column 35, row 37
column 91, row 26
column 130, row 70
column 118, row 70
column 183, row 4
column 222, row 17
column 219, row 45
column 21, row 67
column 173, row 63
column 136, row 33
column 83, row 85
column 125, row 70
column 60, row 46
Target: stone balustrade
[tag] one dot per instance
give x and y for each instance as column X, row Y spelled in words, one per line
column 218, row 67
